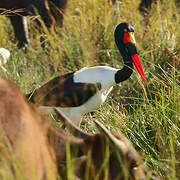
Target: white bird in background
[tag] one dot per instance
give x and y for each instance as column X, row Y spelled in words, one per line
column 4, row 56
column 83, row 91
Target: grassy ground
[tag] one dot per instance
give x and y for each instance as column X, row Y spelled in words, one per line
column 147, row 113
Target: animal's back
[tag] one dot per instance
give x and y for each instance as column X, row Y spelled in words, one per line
column 10, row 4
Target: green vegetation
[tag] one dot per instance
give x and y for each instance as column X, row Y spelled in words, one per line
column 147, row 113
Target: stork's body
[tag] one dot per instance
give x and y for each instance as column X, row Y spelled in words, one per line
column 83, row 91
column 100, row 77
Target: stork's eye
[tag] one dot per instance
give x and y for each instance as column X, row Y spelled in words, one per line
column 129, row 37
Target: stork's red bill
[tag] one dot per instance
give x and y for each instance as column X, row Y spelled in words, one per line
column 129, row 38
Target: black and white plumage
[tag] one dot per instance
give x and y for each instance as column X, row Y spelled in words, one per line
column 83, row 91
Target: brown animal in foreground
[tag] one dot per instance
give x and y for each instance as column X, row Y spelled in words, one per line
column 49, row 10
column 100, row 156
column 26, row 131
column 111, row 155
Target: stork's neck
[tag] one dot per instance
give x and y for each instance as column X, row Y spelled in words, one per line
column 124, row 73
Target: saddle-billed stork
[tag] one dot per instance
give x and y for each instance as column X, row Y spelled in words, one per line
column 83, row 91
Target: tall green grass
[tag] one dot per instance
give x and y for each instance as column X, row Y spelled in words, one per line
column 147, row 113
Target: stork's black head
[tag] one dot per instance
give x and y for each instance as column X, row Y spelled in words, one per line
column 120, row 29
column 125, row 41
